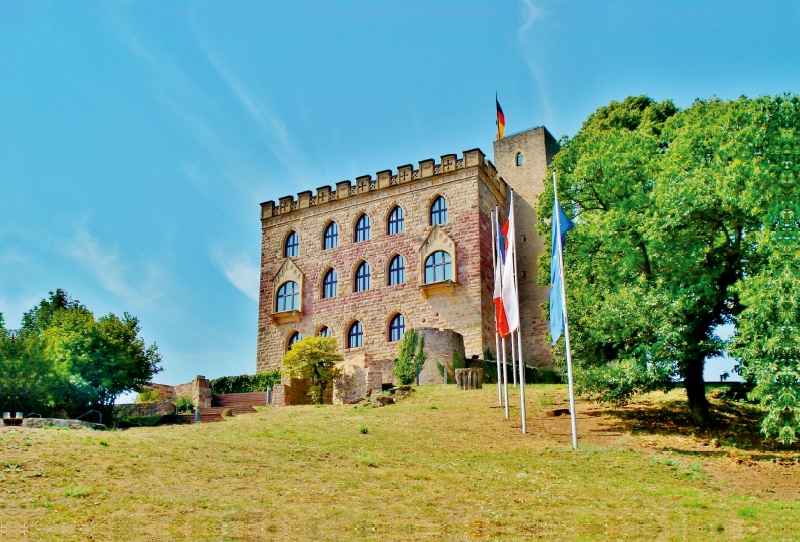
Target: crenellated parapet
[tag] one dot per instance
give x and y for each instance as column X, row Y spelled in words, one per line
column 385, row 179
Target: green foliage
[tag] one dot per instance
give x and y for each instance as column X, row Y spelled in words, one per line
column 245, row 383
column 410, row 356
column 662, row 201
column 767, row 339
column 63, row 359
column 147, row 396
column 313, row 359
column 685, row 220
column 183, row 403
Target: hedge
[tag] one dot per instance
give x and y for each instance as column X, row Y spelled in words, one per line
column 245, row 383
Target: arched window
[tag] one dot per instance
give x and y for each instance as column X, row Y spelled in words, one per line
column 330, row 284
column 355, row 336
column 325, row 332
column 362, row 229
column 331, row 239
column 519, row 159
column 288, row 297
column 292, row 245
column 397, row 271
column 397, row 328
column 396, row 224
column 438, row 267
column 438, row 211
column 362, row 277
column 293, row 339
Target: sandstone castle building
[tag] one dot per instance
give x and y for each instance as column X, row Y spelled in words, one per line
column 362, row 262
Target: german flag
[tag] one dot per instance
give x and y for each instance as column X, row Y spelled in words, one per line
column 501, row 119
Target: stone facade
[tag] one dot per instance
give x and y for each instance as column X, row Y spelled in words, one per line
column 537, row 148
column 471, row 187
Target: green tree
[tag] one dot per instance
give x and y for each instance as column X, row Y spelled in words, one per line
column 767, row 339
column 410, row 356
column 84, row 361
column 29, row 380
column 663, row 203
column 313, row 359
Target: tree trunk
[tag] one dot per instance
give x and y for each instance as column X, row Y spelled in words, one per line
column 696, row 392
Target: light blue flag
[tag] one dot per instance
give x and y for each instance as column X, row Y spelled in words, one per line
column 556, row 297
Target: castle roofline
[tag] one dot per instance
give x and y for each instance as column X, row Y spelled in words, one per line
column 473, row 158
column 533, row 129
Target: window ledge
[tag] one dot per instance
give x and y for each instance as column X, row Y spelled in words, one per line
column 436, row 288
column 287, row 316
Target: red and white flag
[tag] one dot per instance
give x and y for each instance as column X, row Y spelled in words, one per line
column 509, row 258
column 500, row 311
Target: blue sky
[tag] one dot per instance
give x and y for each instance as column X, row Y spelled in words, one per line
column 138, row 138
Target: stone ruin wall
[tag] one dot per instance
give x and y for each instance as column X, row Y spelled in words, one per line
column 440, row 344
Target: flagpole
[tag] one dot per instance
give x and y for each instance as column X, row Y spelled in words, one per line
column 496, row 335
column 505, row 376
column 557, row 225
column 519, row 335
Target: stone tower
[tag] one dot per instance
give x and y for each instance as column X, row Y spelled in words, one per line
column 522, row 160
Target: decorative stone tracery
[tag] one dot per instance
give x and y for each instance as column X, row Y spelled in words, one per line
column 288, row 272
column 438, row 239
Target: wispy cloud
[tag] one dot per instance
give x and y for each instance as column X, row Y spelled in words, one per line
column 532, row 55
column 106, row 266
column 174, row 87
column 239, row 270
column 273, row 128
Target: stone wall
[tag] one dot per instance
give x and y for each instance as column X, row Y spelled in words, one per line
column 471, row 189
column 165, row 391
column 198, row 389
column 439, row 347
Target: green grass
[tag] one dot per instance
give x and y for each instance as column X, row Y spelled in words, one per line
column 459, row 472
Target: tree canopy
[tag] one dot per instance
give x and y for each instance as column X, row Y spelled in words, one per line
column 64, row 359
column 675, row 215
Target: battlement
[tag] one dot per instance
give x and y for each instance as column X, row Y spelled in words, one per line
column 385, row 179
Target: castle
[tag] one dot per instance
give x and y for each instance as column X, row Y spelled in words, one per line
column 364, row 262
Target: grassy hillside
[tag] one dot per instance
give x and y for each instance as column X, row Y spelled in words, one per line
column 443, row 465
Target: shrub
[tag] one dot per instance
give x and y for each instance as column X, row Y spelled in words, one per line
column 147, row 396
column 410, row 356
column 184, row 403
column 313, row 359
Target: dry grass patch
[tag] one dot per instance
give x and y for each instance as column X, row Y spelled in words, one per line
column 458, row 471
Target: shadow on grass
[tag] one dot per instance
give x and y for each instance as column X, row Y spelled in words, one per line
column 736, row 424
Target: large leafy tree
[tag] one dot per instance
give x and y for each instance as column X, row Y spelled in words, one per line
column 63, row 358
column 665, row 204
